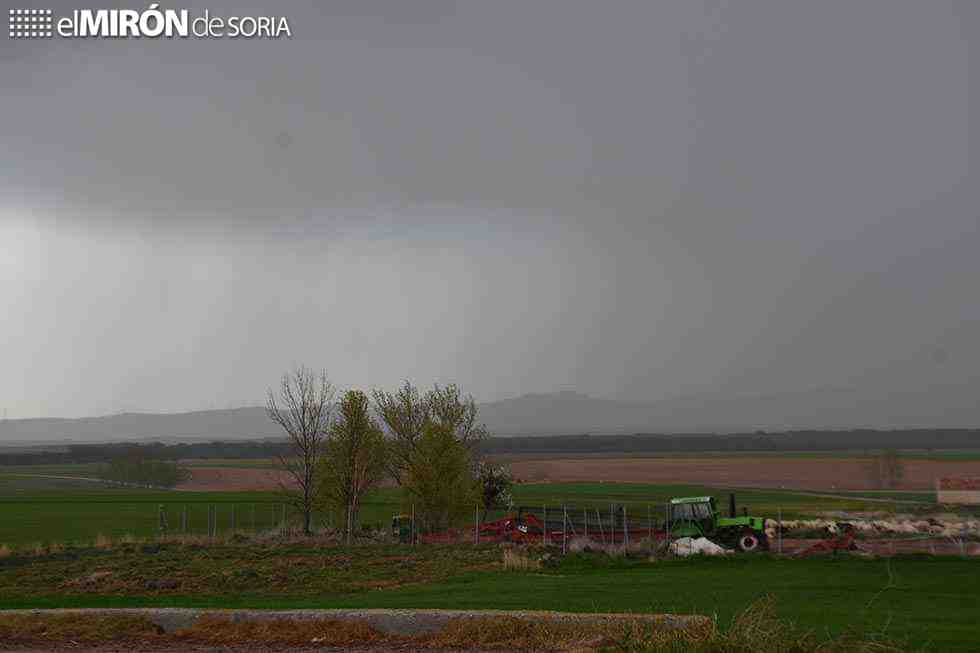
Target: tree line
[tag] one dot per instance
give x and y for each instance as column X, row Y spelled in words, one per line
column 810, row 440
column 427, row 443
column 99, row 453
column 839, row 440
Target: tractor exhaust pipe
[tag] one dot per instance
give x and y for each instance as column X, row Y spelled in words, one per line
column 731, row 504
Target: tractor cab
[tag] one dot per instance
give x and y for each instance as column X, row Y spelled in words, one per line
column 692, row 516
column 401, row 528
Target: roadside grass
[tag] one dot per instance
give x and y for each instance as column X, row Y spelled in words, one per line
column 65, row 628
column 923, row 601
column 756, row 629
column 217, row 630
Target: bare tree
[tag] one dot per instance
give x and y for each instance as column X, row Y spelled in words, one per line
column 406, row 414
column 303, row 409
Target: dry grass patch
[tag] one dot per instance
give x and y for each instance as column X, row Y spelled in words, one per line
column 519, row 560
column 217, row 630
column 102, row 542
column 95, row 580
column 513, row 633
column 755, row 630
column 50, row 629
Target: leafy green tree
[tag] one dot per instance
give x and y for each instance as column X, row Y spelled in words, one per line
column 439, row 479
column 355, row 458
column 450, row 409
column 405, row 413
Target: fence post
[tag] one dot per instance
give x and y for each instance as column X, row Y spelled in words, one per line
column 779, row 531
column 650, row 527
column 612, row 526
column 602, row 531
column 564, row 520
column 626, row 530
column 476, row 527
column 667, row 523
column 544, row 522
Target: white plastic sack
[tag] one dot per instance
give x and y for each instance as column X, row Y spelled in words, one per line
column 687, row 546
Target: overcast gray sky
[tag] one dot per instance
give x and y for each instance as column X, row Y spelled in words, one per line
column 635, row 200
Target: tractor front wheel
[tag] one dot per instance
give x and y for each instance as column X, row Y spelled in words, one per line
column 749, row 541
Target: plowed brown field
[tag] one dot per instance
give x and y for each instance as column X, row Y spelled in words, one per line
column 232, row 479
column 745, row 471
column 797, row 473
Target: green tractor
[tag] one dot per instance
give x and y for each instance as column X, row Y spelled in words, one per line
column 698, row 517
column 401, row 528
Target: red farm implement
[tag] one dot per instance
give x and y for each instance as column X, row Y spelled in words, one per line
column 843, row 540
column 555, row 527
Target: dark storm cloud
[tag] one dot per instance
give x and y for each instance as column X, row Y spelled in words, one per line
column 629, row 199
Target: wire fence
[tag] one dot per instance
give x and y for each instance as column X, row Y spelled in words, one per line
column 610, row 522
column 222, row 518
column 629, row 524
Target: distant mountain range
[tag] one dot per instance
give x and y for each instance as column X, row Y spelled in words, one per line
column 566, row 413
column 563, row 413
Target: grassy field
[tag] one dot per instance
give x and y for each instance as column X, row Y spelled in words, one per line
column 38, row 509
column 930, row 602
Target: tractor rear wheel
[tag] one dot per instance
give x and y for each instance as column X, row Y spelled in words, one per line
column 749, row 541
